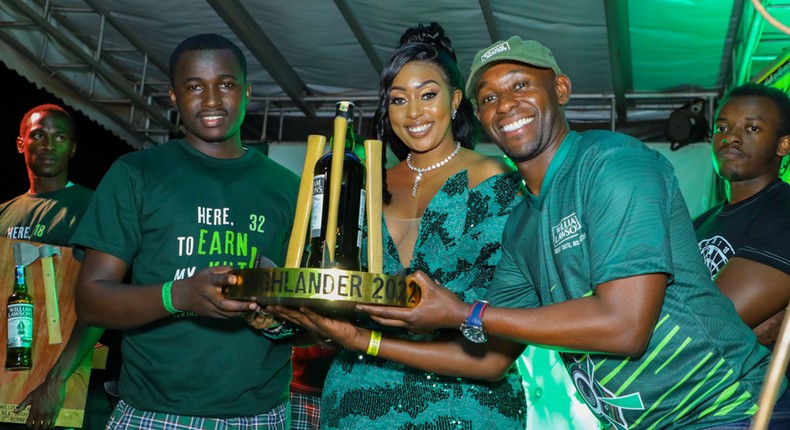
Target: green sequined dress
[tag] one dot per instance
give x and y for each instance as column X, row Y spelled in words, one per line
column 459, row 244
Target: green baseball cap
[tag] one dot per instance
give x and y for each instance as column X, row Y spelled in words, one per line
column 514, row 49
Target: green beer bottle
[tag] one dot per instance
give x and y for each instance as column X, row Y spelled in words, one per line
column 20, row 325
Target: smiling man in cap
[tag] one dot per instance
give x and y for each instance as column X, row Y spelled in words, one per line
column 600, row 263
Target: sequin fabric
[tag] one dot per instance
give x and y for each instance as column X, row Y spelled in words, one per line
column 459, row 245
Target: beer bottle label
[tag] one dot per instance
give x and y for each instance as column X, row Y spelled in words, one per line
column 318, row 206
column 20, row 325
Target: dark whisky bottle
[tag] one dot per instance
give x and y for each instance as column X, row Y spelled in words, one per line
column 311, row 364
column 351, row 210
column 20, row 325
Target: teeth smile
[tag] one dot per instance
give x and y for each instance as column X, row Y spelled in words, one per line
column 517, row 124
column 419, row 128
column 212, row 118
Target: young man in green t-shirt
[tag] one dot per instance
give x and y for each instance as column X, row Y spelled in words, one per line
column 600, row 263
column 179, row 217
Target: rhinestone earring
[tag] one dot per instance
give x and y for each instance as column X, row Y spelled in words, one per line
column 452, row 115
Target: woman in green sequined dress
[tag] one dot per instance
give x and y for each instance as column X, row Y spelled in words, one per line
column 445, row 208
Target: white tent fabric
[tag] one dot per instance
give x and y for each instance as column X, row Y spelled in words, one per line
column 628, row 60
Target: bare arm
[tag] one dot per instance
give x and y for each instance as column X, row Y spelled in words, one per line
column 618, row 319
column 448, row 354
column 768, row 331
column 757, row 290
column 46, row 400
column 103, row 300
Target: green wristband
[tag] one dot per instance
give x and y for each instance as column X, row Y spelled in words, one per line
column 167, row 299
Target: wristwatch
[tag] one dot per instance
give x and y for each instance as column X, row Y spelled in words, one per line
column 472, row 328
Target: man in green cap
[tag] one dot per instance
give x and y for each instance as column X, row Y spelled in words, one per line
column 600, row 263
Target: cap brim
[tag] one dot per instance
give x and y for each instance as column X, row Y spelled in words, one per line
column 474, row 78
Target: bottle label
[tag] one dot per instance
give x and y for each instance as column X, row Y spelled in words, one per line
column 318, row 206
column 361, row 220
column 20, row 325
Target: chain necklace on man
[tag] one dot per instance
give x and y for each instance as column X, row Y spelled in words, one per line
column 420, row 171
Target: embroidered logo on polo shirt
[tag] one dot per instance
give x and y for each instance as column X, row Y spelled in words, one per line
column 568, row 233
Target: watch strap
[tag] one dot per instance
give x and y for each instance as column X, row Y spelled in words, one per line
column 475, row 317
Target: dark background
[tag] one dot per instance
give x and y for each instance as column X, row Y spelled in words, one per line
column 97, row 148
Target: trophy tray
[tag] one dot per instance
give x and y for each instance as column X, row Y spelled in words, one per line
column 333, row 291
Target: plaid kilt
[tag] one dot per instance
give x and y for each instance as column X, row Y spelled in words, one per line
column 126, row 417
column 305, row 411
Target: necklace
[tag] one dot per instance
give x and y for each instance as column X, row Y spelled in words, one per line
column 420, row 171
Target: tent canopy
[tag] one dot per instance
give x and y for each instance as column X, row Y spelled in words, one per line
column 629, row 61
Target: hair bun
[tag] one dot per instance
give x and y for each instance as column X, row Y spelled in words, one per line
column 433, row 35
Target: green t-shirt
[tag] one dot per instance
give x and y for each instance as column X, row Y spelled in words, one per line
column 610, row 208
column 46, row 217
column 169, row 212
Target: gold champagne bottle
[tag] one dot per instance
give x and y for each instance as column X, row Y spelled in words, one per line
column 20, row 325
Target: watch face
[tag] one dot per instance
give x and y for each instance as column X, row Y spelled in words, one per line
column 475, row 334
